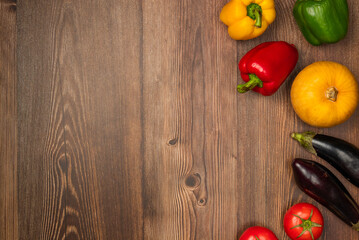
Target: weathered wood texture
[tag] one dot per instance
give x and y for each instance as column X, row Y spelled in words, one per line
column 129, row 124
column 8, row 143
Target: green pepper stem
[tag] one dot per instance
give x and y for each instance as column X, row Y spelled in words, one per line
column 254, row 11
column 253, row 82
column 305, row 140
column 258, row 19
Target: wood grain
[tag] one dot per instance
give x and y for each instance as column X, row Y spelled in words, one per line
column 8, row 131
column 128, row 124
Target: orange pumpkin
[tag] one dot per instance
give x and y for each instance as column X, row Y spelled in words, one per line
column 324, row 94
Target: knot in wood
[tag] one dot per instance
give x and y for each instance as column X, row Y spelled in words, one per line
column 173, row 141
column 202, row 202
column 193, row 181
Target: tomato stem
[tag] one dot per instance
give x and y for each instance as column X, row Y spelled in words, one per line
column 307, row 225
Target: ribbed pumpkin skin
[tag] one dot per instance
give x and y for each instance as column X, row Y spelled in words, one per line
column 308, row 94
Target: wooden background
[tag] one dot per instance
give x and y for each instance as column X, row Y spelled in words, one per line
column 120, row 120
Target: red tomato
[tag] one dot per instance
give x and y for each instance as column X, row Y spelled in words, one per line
column 303, row 221
column 258, row 233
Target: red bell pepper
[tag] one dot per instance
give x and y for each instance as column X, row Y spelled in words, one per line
column 265, row 67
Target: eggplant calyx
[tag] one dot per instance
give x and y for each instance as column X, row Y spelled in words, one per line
column 307, row 225
column 305, row 140
column 356, row 226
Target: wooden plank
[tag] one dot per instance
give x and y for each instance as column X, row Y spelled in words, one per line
column 42, row 160
column 57, row 181
column 8, row 133
column 82, row 147
column 110, row 45
column 284, row 150
column 130, row 126
column 190, row 146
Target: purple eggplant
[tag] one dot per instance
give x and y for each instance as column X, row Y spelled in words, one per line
column 319, row 183
column 337, row 152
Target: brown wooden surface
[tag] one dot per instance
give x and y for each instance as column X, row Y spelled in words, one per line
column 124, row 123
column 8, row 126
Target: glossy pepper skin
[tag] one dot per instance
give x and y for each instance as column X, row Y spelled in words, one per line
column 265, row 67
column 322, row 21
column 247, row 19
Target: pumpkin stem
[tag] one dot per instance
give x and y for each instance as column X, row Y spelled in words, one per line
column 332, row 94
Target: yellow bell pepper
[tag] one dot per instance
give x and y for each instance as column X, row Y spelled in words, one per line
column 247, row 19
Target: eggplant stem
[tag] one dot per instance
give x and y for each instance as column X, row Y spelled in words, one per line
column 356, row 226
column 305, row 140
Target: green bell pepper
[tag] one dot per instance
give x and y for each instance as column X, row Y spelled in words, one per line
column 322, row 21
